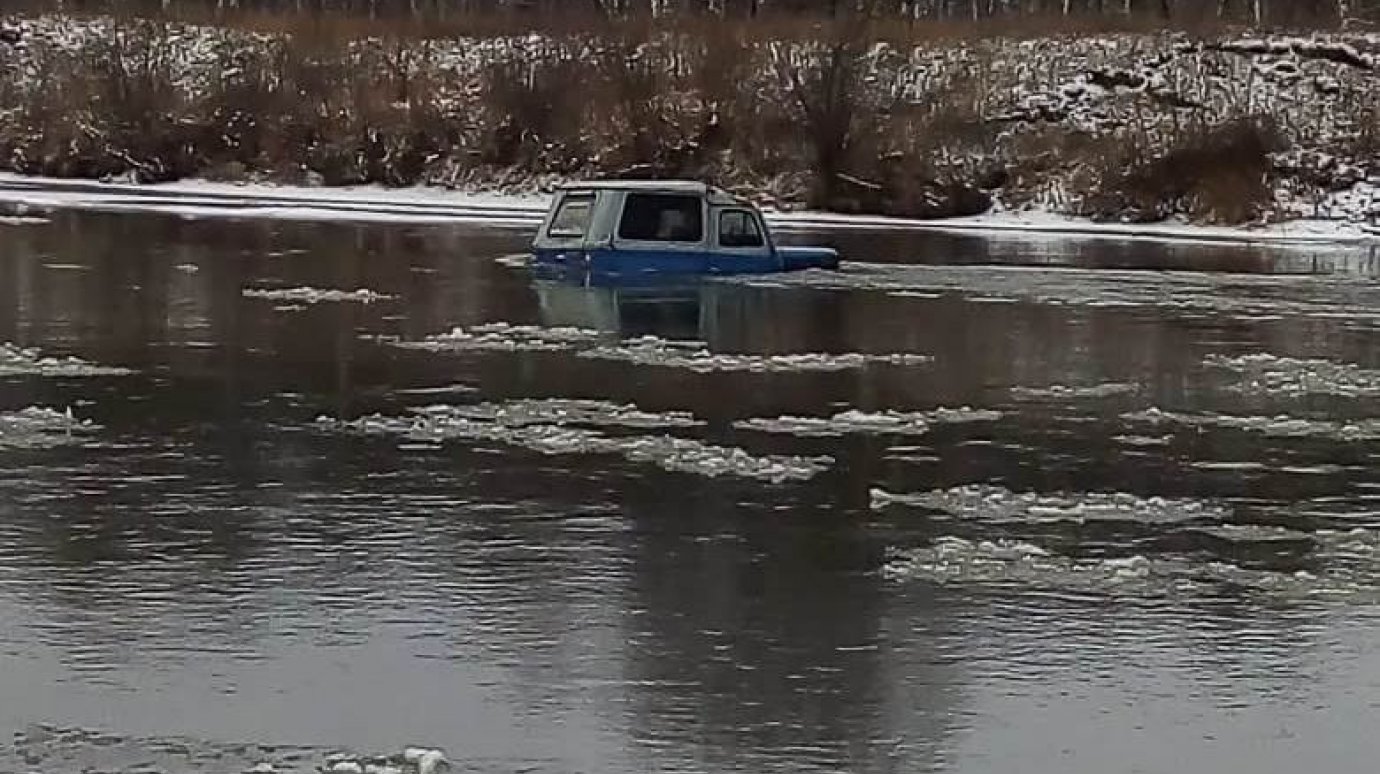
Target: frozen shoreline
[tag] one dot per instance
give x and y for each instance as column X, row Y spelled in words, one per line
column 422, row 204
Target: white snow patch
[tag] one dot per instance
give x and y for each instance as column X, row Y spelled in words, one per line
column 437, row 205
column 1245, row 295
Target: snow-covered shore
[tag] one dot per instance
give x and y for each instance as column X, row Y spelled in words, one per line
column 422, row 204
column 1143, row 133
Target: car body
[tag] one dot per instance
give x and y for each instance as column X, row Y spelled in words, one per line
column 663, row 226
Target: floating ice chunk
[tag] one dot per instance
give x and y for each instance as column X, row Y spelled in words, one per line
column 1143, row 440
column 855, row 421
column 1264, row 373
column 426, row 761
column 309, row 295
column 1063, row 392
column 442, row 423
column 1280, row 426
column 514, row 260
column 21, row 361
column 995, row 504
column 951, row 560
column 696, row 356
column 37, row 427
column 504, row 337
column 563, row 411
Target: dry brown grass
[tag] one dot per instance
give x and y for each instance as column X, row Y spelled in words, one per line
column 581, row 19
column 1218, row 174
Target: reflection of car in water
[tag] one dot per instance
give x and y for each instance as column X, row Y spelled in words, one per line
column 677, row 226
column 669, row 307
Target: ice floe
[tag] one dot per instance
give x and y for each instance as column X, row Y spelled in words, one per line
column 309, row 295
column 38, row 427
column 48, row 748
column 854, row 421
column 994, row 504
column 503, row 337
column 22, row 361
column 566, row 411
column 1021, row 564
column 696, row 356
column 1343, row 564
column 517, row 426
column 1265, row 373
column 1143, row 440
column 1075, row 392
column 413, row 760
column 1278, row 426
column 646, row 350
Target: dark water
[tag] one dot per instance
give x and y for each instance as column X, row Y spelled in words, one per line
column 212, row 578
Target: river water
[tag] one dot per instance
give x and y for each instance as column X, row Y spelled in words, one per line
column 971, row 505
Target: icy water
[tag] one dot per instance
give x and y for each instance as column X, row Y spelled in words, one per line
column 273, row 491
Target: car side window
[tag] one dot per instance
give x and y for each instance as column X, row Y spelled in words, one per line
column 572, row 218
column 738, row 228
column 661, row 218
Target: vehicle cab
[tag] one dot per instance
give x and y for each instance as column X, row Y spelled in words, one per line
column 678, row 227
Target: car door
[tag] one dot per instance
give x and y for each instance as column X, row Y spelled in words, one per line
column 740, row 241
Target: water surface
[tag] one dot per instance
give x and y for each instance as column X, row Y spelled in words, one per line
column 1146, row 546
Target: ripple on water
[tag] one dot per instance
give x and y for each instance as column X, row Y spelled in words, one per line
column 525, row 428
column 1243, row 295
column 1272, row 375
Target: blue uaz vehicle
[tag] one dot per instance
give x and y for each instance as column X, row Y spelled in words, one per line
column 666, row 227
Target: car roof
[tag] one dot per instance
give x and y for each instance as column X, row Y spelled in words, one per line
column 686, row 187
column 668, row 186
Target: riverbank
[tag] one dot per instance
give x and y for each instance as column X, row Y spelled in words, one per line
column 24, row 196
column 1135, row 133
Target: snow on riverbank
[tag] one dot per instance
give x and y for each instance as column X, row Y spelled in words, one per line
column 422, row 204
column 1123, row 126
